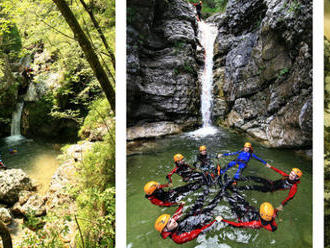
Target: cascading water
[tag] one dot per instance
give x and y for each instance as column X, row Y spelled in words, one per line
column 15, row 132
column 207, row 35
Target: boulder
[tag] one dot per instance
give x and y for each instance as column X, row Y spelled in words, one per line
column 12, row 182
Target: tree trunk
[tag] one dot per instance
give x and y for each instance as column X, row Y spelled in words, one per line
column 99, row 30
column 87, row 48
column 5, row 235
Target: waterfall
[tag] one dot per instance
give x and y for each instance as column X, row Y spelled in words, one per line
column 16, row 120
column 207, row 34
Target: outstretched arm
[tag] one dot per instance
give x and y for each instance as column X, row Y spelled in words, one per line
column 259, row 159
column 188, row 236
column 169, row 175
column 279, row 171
column 292, row 193
column 251, row 224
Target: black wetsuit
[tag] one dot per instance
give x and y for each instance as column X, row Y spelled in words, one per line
column 161, row 197
column 204, row 163
column 185, row 171
column 247, row 215
column 197, row 220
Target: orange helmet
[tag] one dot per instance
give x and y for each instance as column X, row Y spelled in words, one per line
column 178, row 157
column 248, row 144
column 266, row 211
column 161, row 222
column 150, row 187
column 202, row 148
column 297, row 172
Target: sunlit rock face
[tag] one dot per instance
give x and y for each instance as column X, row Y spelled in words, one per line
column 263, row 70
column 162, row 63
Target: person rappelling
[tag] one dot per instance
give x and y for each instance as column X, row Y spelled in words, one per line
column 198, row 7
column 242, row 160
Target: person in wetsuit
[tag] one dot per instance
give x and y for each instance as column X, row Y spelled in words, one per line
column 158, row 196
column 184, row 170
column 242, row 160
column 249, row 217
column 2, row 165
column 204, row 163
column 185, row 229
column 288, row 182
column 198, row 7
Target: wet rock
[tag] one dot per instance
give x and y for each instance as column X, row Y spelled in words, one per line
column 12, row 182
column 265, row 47
column 150, row 130
column 163, row 57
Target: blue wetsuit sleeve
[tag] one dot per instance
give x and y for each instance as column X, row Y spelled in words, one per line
column 231, row 153
column 257, row 158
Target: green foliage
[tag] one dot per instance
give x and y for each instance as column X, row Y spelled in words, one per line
column 211, row 7
column 282, row 72
column 292, row 6
column 32, row 222
column 98, row 115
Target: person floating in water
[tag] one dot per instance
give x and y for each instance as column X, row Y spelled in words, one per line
column 288, row 182
column 183, row 169
column 242, row 160
column 250, row 217
column 204, row 163
column 156, row 195
column 198, row 7
column 185, row 229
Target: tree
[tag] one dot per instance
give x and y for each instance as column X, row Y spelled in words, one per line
column 88, row 50
column 5, row 235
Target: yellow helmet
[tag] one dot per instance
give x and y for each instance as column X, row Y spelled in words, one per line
column 202, row 148
column 266, row 211
column 161, row 222
column 150, row 187
column 297, row 172
column 248, row 144
column 178, row 157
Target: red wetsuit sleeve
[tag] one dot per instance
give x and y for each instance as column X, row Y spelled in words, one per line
column 292, row 192
column 188, row 236
column 169, row 175
column 162, row 186
column 158, row 202
column 251, row 224
column 178, row 213
column 279, row 171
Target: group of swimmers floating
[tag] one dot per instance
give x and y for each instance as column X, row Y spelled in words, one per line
column 203, row 174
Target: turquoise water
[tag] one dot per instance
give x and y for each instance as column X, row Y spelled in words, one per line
column 294, row 223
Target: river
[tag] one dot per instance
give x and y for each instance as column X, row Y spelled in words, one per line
column 294, row 223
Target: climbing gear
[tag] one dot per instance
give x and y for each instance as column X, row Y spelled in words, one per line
column 150, row 187
column 202, row 148
column 248, row 145
column 298, row 172
column 178, row 157
column 266, row 211
column 161, row 222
